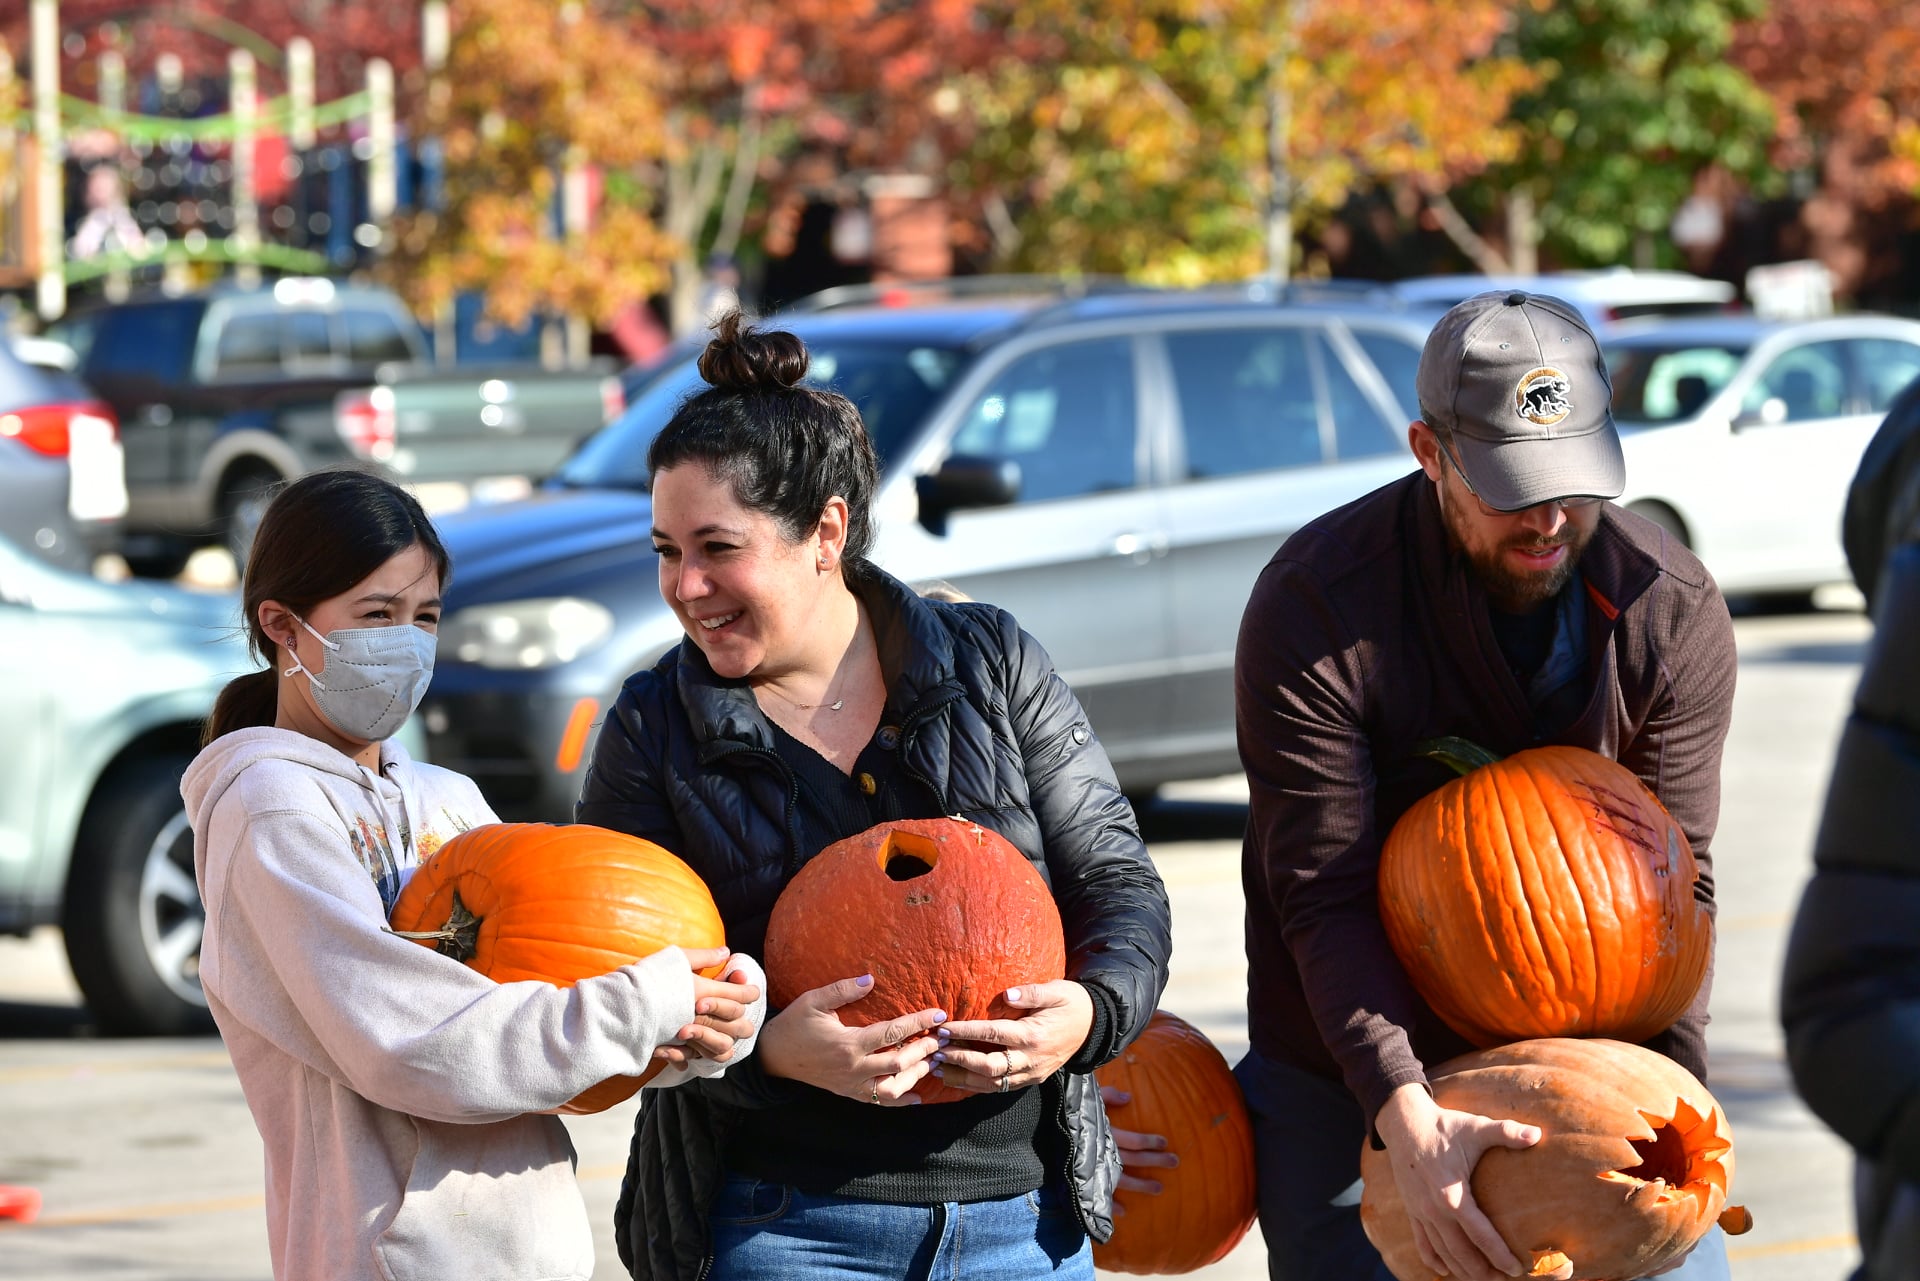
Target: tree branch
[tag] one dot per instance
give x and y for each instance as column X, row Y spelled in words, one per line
column 1471, row 243
column 740, row 183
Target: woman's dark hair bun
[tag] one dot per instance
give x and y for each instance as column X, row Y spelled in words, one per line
column 743, row 358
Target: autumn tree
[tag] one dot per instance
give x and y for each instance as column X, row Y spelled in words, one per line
column 1845, row 75
column 1633, row 101
column 1152, row 137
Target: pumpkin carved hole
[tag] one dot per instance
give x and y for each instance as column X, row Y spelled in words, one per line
column 1662, row 1157
column 905, row 856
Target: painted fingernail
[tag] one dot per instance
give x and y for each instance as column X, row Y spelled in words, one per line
column 939, row 1016
column 943, row 1036
column 865, row 980
column 938, row 1058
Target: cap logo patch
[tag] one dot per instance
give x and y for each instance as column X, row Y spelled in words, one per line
column 1544, row 396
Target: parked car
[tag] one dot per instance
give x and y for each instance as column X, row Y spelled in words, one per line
column 1603, row 297
column 104, row 688
column 1741, row 435
column 63, row 489
column 223, row 394
column 1113, row 469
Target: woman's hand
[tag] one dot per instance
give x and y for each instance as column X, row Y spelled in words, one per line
column 1011, row 1054
column 879, row 1063
column 1138, row 1152
column 722, row 1011
column 1433, row 1151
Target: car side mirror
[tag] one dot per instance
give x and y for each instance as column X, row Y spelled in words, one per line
column 1772, row 411
column 965, row 480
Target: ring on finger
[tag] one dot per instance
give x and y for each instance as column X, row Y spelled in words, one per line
column 873, row 1091
column 1002, row 1087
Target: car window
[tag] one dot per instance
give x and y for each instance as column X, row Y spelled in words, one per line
column 307, row 339
column 1247, row 400
column 1810, row 382
column 371, row 337
column 892, row 384
column 249, row 346
column 1886, row 366
column 1398, row 360
column 1065, row 414
column 153, row 342
column 1653, row 384
column 1358, row 429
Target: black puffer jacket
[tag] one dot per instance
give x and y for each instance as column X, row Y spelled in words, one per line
column 1850, row 1001
column 688, row 759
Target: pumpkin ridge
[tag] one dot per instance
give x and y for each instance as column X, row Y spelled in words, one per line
column 1559, row 968
column 1476, row 846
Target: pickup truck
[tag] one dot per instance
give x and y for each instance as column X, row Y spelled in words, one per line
column 224, row 394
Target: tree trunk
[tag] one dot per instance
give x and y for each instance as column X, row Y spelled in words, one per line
column 1462, row 234
column 1523, row 232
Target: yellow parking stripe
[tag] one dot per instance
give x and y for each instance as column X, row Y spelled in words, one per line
column 1807, row 1245
column 135, row 1213
column 60, row 1071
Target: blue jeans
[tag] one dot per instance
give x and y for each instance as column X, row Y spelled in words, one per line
column 774, row 1231
column 1307, row 1133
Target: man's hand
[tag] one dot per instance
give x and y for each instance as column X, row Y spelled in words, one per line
column 1433, row 1151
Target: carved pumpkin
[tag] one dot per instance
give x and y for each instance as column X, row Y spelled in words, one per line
column 535, row 901
column 1632, row 1167
column 1182, row 1088
column 945, row 914
column 1547, row 894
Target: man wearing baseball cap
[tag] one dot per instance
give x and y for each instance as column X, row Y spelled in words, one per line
column 1494, row 595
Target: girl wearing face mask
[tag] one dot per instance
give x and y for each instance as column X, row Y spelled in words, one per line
column 397, row 1092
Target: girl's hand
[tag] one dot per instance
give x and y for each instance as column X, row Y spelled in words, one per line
column 1011, row 1054
column 1140, row 1154
column 879, row 1063
column 723, row 1012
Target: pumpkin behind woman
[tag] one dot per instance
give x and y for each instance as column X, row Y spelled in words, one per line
column 557, row 903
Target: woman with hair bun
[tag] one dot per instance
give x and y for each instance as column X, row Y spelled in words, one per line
column 393, row 1086
column 813, row 697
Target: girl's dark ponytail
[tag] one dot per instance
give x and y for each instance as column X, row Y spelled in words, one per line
column 318, row 537
column 247, row 701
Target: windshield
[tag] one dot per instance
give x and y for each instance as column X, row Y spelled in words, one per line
column 892, row 384
column 1668, row 384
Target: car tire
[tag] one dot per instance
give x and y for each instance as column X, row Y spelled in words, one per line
column 243, row 501
column 134, row 918
column 158, row 558
column 1665, row 517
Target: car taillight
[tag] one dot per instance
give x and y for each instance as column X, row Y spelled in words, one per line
column 365, row 421
column 47, row 429
column 612, row 399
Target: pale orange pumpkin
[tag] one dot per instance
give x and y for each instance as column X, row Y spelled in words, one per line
column 557, row 903
column 944, row 913
column 1546, row 894
column 1182, row 1088
column 1632, row 1168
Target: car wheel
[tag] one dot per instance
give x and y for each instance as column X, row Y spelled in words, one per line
column 134, row 919
column 158, row 558
column 242, row 504
column 1665, row 517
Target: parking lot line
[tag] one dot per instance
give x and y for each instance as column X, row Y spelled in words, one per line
column 1807, row 1245
column 66, row 1071
column 136, row 1213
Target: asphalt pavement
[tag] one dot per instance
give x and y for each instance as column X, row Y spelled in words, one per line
column 149, row 1165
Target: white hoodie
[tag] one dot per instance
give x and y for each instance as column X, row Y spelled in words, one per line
column 392, row 1085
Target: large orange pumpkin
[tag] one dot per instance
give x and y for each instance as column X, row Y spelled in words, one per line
column 944, row 913
column 1631, row 1170
column 1546, row 894
column 557, row 903
column 1182, row 1088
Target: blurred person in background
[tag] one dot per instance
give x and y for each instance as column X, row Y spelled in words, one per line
column 813, row 697
column 1494, row 596
column 395, row 1089
column 1850, row 998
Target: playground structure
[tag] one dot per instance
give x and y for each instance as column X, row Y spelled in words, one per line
column 283, row 183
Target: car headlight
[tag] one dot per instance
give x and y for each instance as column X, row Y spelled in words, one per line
column 526, row 634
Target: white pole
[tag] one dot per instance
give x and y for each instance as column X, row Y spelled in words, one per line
column 435, row 34
column 246, row 206
column 51, row 295
column 382, row 191
column 300, row 130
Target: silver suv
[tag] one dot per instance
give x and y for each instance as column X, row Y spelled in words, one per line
column 1113, row 469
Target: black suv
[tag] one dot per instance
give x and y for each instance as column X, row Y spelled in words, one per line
column 1114, row 469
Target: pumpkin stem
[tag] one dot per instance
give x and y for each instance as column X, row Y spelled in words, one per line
column 458, row 938
column 1457, row 754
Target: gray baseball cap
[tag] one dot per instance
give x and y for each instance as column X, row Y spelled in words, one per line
column 1519, row 380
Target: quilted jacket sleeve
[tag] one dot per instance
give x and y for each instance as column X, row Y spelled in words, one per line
column 1850, row 1002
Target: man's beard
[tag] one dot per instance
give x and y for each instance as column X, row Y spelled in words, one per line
column 1517, row 591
